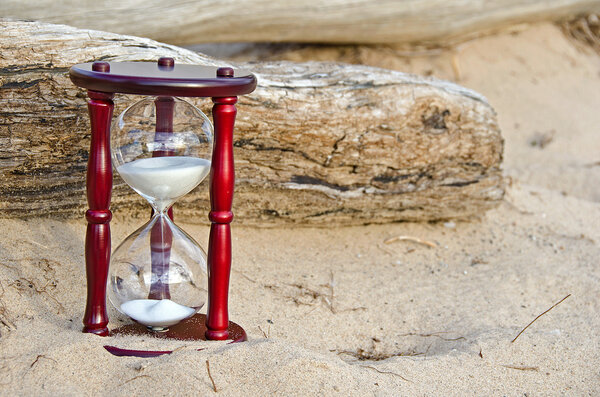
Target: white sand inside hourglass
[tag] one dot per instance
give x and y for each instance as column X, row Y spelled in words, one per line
column 163, row 179
column 156, row 314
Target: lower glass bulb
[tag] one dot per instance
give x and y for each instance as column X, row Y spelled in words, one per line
column 158, row 275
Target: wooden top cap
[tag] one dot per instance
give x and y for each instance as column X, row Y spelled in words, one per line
column 164, row 77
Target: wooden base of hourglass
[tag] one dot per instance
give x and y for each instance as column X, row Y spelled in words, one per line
column 193, row 328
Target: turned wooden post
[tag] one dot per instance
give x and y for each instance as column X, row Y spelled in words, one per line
column 99, row 189
column 222, row 180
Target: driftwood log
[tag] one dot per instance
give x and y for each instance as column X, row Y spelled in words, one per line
column 315, row 143
column 428, row 22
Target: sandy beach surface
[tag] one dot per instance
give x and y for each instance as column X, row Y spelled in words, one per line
column 338, row 311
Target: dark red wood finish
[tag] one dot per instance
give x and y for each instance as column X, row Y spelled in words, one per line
column 193, row 328
column 161, row 240
column 221, row 197
column 146, row 78
column 165, row 106
column 190, row 329
column 119, row 352
column 161, row 237
column 99, row 189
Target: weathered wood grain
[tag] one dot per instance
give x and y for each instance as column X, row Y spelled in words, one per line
column 426, row 22
column 316, row 143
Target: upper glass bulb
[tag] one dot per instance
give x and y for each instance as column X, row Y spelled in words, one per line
column 161, row 147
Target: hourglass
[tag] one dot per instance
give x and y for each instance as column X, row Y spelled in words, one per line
column 162, row 147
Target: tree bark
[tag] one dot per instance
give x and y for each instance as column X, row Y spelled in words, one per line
column 316, row 143
column 428, row 22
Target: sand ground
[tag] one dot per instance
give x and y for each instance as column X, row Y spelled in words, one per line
column 337, row 311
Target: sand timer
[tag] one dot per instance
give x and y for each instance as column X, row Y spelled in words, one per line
column 163, row 147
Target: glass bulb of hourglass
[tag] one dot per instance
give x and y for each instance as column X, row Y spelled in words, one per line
column 161, row 148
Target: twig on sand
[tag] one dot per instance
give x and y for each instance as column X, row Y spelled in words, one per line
column 387, row 372
column 210, row 376
column 521, row 367
column 179, row 348
column 332, row 293
column 134, row 378
column 38, row 358
column 413, row 239
column 551, row 307
column 20, row 284
column 434, row 334
column 245, row 276
column 365, row 355
column 265, row 334
column 36, row 243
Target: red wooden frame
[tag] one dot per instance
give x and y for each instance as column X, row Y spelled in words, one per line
column 222, row 181
column 99, row 189
column 162, row 79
